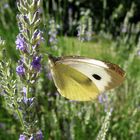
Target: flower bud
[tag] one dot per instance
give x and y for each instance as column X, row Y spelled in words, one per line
column 20, row 70
column 26, row 20
column 35, row 17
column 21, row 7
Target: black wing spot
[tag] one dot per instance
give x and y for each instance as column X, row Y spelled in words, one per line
column 97, row 77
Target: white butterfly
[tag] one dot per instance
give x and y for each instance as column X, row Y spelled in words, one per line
column 83, row 79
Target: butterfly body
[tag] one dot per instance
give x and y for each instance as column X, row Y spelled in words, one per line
column 83, row 79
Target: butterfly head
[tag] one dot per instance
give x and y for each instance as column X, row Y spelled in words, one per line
column 51, row 60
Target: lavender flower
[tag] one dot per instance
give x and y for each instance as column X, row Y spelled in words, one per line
column 28, row 101
column 23, row 137
column 24, row 90
column 102, row 98
column 21, row 44
column 20, row 70
column 36, row 63
column 32, row 138
column 39, row 135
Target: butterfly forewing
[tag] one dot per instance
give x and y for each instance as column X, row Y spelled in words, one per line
column 73, row 84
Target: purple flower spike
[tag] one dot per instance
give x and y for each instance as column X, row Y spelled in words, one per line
column 21, row 44
column 22, row 137
column 39, row 135
column 36, row 63
column 20, row 70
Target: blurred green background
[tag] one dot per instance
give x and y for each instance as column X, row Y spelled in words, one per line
column 115, row 38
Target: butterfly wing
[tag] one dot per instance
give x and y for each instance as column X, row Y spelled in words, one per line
column 73, row 84
column 82, row 79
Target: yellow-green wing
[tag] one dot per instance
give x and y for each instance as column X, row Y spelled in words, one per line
column 72, row 84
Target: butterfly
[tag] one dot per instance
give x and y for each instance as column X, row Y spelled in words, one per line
column 83, row 79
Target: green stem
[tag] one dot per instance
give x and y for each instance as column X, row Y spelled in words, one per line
column 27, row 93
column 19, row 115
column 18, row 112
column 20, row 118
